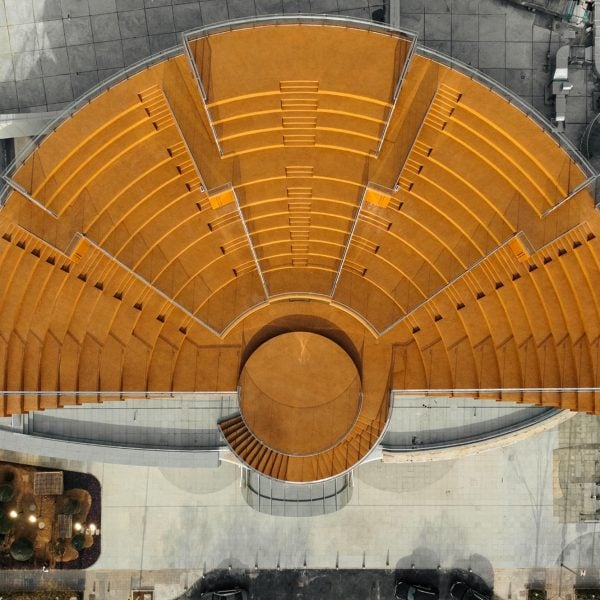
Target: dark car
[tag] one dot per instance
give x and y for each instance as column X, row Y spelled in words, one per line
column 415, row 591
column 462, row 591
column 236, row 594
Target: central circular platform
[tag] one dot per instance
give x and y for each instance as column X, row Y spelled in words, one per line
column 300, row 393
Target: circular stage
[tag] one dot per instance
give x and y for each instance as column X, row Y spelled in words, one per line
column 300, row 393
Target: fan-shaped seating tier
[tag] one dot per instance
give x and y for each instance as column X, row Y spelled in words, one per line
column 286, row 102
column 514, row 324
column 454, row 228
column 80, row 327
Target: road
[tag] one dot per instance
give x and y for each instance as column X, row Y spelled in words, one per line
column 317, row 584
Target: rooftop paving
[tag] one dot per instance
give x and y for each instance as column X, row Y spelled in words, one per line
column 503, row 505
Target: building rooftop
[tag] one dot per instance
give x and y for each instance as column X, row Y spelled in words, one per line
column 291, row 265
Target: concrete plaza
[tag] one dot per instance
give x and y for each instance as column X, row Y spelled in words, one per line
column 502, row 513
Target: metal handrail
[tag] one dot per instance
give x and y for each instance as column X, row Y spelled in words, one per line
column 545, row 414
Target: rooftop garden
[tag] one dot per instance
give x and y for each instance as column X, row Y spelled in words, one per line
column 48, row 519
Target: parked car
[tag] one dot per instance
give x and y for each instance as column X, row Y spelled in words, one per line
column 415, row 591
column 237, row 594
column 463, row 591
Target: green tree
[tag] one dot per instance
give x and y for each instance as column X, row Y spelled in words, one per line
column 59, row 547
column 6, row 523
column 6, row 492
column 21, row 549
column 78, row 541
column 70, row 506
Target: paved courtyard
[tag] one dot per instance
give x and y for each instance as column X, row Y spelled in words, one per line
column 497, row 506
column 494, row 513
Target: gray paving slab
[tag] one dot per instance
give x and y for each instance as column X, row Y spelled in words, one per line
column 135, row 49
column 577, row 76
column 58, row 89
column 498, row 74
column 414, row 22
column 98, row 7
column 354, row 4
column 361, row 13
column 444, row 46
column 75, row 8
column 109, row 55
column 492, row 28
column 543, row 54
column 411, row 7
column 467, row 52
column 8, row 93
column 47, row 10
column 213, row 11
column 27, row 65
column 30, row 92
column 245, row 8
column 577, row 109
column 541, row 79
column 50, row 34
column 464, row 28
column 521, row 81
column 324, row 6
column 129, row 4
column 4, row 41
column 438, row 27
column 188, row 16
column 438, row 6
column 55, row 62
column 295, row 6
column 105, row 27
column 160, row 20
column 492, row 7
column 7, row 69
column 78, row 30
column 19, row 11
column 155, row 3
column 519, row 26
column 465, row 7
column 82, row 58
column 492, row 55
column 162, row 41
column 519, row 55
column 132, row 23
column 23, row 37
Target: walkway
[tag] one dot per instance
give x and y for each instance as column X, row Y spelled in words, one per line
column 502, row 505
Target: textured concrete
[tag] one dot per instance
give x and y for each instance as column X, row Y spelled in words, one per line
column 495, row 509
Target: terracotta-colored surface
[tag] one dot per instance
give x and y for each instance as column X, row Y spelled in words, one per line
column 300, row 393
column 476, row 264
